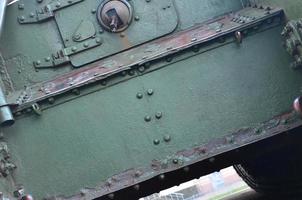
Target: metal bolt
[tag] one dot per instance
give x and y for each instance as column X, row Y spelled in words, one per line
column 47, row 59
column 21, row 18
column 21, row 6
column 104, row 82
column 136, row 187
column 131, row 72
column 175, row 161
column 74, row 49
column 27, row 197
column 136, row 18
column 76, row 91
column 195, row 48
column 186, row 169
column 139, row 95
column 38, row 62
column 161, row 177
column 98, row 40
column 51, row 100
column 86, row 44
column 150, row 92
column 169, row 59
column 147, row 118
column 167, row 138
column 93, row 11
column 111, row 196
column 158, row 115
column 141, row 69
column 156, row 141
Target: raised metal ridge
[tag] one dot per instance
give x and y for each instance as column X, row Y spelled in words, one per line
column 165, row 46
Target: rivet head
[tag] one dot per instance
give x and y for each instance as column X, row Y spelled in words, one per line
column 156, row 141
column 27, row 197
column 167, row 138
column 32, row 14
column 147, row 118
column 103, row 82
column 136, row 187
column 150, row 92
column 98, row 40
column 136, row 18
column 161, row 177
column 58, row 5
column 21, row 6
column 141, row 69
column 158, row 115
column 76, row 91
column 169, row 59
column 74, row 49
column 139, row 95
column 39, row 1
column 186, row 169
column 86, row 44
column 93, row 11
column 47, row 59
column 131, row 72
column 21, row 18
column 111, row 196
column 175, row 161
column 51, row 100
column 38, row 62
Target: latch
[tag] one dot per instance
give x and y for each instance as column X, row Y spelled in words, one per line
column 63, row 56
column 46, row 12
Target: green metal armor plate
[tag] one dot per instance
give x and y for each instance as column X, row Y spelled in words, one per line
column 99, row 137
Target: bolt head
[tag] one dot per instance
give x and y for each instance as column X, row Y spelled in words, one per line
column 147, row 118
column 156, row 141
column 161, row 177
column 139, row 95
column 158, row 115
column 175, row 161
column 167, row 138
column 150, row 92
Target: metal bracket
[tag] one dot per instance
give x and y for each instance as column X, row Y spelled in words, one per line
column 46, row 12
column 62, row 56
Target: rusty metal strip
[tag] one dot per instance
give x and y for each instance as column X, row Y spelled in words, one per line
column 183, row 160
column 162, row 47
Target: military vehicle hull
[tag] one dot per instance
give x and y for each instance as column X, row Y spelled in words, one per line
column 119, row 115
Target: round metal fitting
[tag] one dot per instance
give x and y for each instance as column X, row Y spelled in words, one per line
column 115, row 15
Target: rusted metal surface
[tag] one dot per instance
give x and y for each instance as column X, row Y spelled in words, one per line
column 225, row 25
column 183, row 160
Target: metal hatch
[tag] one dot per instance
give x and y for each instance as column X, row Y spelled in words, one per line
column 86, row 37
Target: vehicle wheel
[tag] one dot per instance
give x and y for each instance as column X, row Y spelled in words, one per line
column 277, row 174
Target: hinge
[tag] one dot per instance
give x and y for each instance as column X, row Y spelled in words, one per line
column 62, row 56
column 46, row 12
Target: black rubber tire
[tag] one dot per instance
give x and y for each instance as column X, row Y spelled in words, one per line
column 278, row 174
